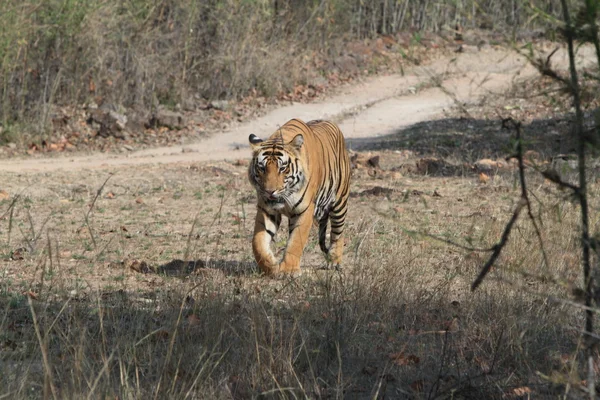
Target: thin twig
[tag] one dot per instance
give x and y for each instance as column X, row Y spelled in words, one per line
column 49, row 380
column 447, row 241
column 524, row 192
column 87, row 215
column 500, row 245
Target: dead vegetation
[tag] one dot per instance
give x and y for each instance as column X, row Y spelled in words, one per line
column 138, row 282
column 148, row 289
column 135, row 60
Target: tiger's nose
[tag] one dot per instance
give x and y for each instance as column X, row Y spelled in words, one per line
column 270, row 193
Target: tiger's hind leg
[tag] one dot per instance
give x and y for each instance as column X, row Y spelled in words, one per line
column 337, row 217
column 323, row 234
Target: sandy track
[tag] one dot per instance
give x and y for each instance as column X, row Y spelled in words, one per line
column 374, row 107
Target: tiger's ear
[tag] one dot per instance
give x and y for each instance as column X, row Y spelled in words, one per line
column 297, row 142
column 254, row 140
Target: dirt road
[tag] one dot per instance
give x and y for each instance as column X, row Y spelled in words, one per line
column 374, row 107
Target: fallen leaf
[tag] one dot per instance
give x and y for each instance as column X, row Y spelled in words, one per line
column 110, row 195
column 483, row 177
column 162, row 334
column 522, row 391
column 30, row 294
column 417, row 385
column 4, row 195
column 193, row 320
column 140, row 266
column 400, row 358
column 18, row 254
column 452, row 325
column 369, row 370
column 139, row 200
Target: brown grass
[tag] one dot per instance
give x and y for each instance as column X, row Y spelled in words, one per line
column 397, row 321
column 140, row 54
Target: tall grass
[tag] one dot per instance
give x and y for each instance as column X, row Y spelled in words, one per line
column 140, row 53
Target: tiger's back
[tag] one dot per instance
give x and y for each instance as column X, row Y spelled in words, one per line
column 302, row 171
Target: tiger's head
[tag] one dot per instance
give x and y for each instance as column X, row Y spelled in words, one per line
column 277, row 169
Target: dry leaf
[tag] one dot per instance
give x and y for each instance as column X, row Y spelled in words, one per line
column 452, row 326
column 30, row 294
column 162, row 334
column 417, row 385
column 400, row 358
column 4, row 195
column 18, row 254
column 483, row 177
column 193, row 320
column 139, row 200
column 140, row 266
column 369, row 370
column 522, row 391
column 110, row 195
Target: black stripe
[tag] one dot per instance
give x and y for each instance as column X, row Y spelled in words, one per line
column 272, row 234
column 271, row 216
column 337, row 225
column 301, row 212
column 337, row 207
column 337, row 217
column 302, row 198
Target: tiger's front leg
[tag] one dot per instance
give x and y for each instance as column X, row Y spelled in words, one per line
column 265, row 228
column 299, row 230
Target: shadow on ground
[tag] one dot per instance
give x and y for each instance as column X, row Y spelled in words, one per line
column 217, row 344
column 183, row 268
column 469, row 140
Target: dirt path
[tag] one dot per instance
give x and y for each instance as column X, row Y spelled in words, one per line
column 375, row 107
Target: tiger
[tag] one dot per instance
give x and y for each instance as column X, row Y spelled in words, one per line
column 302, row 171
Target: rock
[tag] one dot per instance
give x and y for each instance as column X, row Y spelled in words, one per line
column 107, row 122
column 120, row 119
column 374, row 162
column 168, row 119
column 137, row 121
column 346, row 64
column 433, row 166
column 565, row 163
column 219, row 104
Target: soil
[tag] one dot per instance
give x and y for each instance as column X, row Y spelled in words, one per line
column 145, row 229
column 371, row 109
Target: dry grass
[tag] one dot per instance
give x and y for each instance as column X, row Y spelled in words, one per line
column 398, row 321
column 140, row 54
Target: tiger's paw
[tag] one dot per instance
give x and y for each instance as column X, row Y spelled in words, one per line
column 332, row 262
column 284, row 271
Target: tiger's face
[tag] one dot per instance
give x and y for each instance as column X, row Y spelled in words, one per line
column 276, row 170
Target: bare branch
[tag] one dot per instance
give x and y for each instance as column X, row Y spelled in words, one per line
column 499, row 246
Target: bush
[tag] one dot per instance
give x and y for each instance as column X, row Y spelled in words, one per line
column 140, row 53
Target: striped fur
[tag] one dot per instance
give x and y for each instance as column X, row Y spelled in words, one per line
column 303, row 172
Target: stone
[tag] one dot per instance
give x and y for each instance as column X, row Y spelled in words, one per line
column 168, row 119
